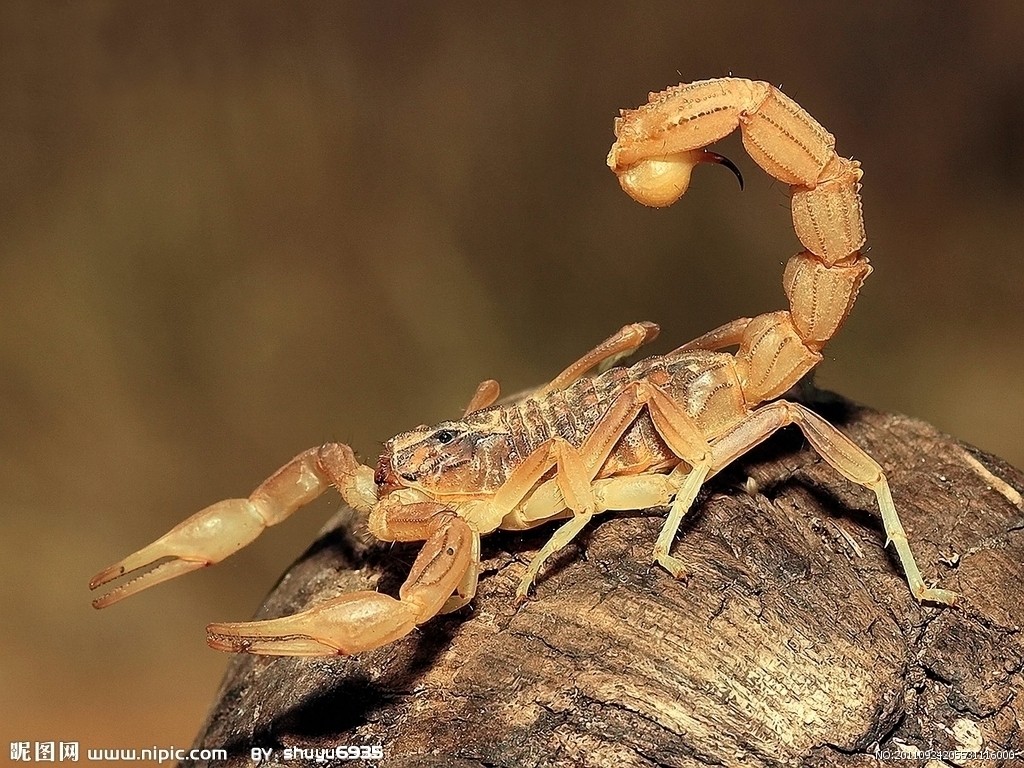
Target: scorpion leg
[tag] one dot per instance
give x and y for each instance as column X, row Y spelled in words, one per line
column 360, row 621
column 487, row 394
column 680, row 433
column 847, row 458
column 606, row 354
column 223, row 528
column 561, row 538
column 573, row 478
column 728, row 335
column 602, row 357
column 622, row 492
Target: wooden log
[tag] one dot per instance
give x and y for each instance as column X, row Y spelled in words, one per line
column 794, row 640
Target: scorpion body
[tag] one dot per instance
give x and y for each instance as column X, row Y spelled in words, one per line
column 598, row 437
column 705, row 381
column 503, row 436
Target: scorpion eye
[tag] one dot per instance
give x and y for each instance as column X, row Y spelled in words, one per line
column 444, row 436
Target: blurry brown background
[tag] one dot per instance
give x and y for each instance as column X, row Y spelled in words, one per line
column 232, row 231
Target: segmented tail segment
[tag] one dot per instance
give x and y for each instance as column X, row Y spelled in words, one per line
column 658, row 145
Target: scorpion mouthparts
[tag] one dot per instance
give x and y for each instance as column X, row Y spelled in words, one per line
column 385, row 477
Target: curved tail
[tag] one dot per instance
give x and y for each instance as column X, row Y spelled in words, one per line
column 658, row 145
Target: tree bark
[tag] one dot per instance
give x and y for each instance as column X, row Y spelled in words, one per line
column 794, row 640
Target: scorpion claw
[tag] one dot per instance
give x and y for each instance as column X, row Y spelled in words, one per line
column 203, row 539
column 361, row 621
column 162, row 571
column 348, row 624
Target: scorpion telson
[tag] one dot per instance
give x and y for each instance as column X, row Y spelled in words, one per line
column 599, row 436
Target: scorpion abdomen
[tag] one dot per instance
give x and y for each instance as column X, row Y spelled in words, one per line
column 706, row 383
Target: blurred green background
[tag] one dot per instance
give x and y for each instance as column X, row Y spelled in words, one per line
column 230, row 231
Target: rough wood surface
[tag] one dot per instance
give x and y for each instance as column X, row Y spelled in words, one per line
column 794, row 640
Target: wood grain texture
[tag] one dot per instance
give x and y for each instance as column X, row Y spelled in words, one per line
column 794, row 640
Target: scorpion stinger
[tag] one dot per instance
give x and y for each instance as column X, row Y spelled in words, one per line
column 714, row 157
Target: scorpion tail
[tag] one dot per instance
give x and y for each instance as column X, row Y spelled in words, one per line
column 822, row 282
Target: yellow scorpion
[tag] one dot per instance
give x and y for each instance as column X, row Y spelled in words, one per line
column 598, row 437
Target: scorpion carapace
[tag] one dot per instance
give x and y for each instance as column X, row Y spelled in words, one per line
column 598, row 437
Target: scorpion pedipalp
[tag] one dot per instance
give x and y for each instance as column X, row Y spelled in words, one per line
column 360, row 621
column 221, row 529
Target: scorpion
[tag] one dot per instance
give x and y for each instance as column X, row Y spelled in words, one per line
column 599, row 436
